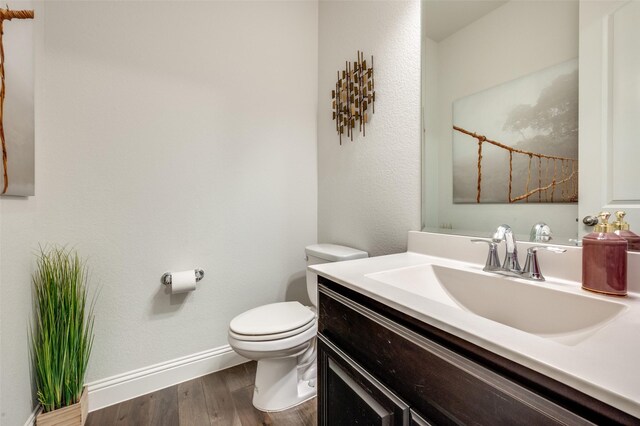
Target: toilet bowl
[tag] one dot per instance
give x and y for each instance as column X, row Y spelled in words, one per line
column 282, row 338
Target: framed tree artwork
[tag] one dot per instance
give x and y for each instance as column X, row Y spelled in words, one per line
column 518, row 142
column 16, row 100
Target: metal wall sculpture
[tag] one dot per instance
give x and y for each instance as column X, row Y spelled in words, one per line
column 354, row 97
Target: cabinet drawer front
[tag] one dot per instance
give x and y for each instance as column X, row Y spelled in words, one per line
column 444, row 387
column 350, row 403
column 349, row 395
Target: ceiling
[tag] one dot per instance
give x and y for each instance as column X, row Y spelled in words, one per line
column 444, row 17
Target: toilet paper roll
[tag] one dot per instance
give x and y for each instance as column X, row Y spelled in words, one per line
column 183, row 281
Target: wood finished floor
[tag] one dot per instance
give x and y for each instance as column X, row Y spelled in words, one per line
column 222, row 398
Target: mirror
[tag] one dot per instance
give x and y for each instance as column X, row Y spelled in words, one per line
column 504, row 72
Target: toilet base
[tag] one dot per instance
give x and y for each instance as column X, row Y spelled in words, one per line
column 278, row 387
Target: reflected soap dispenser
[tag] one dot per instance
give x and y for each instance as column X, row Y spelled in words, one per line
column 621, row 228
column 604, row 259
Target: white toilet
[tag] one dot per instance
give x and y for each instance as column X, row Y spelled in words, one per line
column 282, row 338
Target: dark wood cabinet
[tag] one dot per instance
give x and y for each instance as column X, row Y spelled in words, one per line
column 377, row 366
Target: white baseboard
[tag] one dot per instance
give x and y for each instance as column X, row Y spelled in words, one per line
column 122, row 387
column 31, row 421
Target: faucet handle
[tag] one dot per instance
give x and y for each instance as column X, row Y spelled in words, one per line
column 534, row 249
column 493, row 261
column 532, row 266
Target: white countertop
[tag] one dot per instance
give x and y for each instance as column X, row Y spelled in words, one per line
column 604, row 365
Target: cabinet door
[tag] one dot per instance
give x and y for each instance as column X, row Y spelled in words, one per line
column 609, row 107
column 349, row 395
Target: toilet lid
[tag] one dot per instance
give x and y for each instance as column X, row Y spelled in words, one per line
column 274, row 318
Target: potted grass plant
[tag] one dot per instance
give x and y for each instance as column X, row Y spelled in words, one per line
column 61, row 336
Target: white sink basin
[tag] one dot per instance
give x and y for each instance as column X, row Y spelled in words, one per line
column 567, row 318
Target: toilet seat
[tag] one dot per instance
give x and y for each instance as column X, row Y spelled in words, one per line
column 274, row 348
column 273, row 321
column 275, row 336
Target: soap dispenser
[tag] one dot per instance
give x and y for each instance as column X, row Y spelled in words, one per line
column 604, row 259
column 621, row 228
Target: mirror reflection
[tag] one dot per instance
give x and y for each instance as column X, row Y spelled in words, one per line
column 500, row 116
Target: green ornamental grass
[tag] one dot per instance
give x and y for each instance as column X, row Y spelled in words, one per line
column 62, row 333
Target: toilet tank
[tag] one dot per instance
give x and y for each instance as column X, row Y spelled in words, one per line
column 325, row 253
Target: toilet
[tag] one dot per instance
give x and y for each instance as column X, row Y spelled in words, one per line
column 282, row 338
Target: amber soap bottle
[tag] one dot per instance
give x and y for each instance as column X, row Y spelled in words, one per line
column 604, row 259
column 621, row 228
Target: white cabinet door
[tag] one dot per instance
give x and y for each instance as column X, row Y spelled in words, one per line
column 609, row 109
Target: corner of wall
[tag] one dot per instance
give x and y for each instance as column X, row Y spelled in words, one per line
column 369, row 190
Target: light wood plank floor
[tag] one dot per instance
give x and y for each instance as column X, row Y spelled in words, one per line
column 222, row 398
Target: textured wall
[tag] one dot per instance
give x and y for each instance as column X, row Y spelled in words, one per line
column 170, row 136
column 1, row 340
column 369, row 189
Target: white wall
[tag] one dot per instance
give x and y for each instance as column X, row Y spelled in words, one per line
column 524, row 36
column 169, row 136
column 16, row 394
column 369, row 189
column 1, row 340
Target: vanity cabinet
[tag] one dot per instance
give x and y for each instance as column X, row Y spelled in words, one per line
column 378, row 366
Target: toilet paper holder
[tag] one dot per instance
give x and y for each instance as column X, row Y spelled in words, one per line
column 166, row 277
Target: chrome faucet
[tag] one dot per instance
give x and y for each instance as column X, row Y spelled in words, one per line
column 510, row 262
column 540, row 232
column 511, row 266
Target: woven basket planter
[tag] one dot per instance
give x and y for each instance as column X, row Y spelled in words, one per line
column 73, row 415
